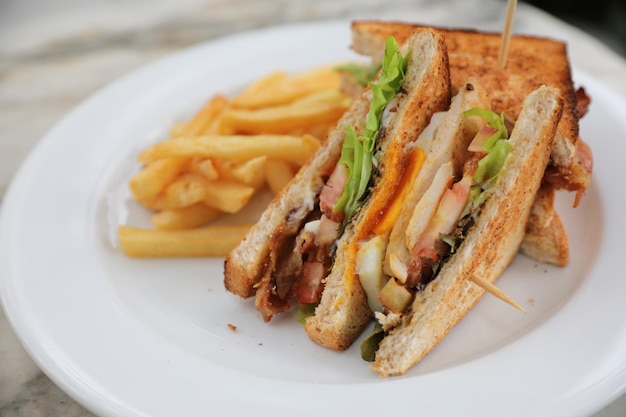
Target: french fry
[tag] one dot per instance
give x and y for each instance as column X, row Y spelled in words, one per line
column 318, row 131
column 176, row 129
column 201, row 242
column 217, row 128
column 316, row 79
column 154, row 177
column 205, row 167
column 277, row 174
column 155, row 203
column 264, row 83
column 186, row 190
column 290, row 88
column 227, row 196
column 282, row 119
column 224, row 168
column 185, row 218
column 324, row 96
column 204, row 117
column 250, row 172
column 296, row 149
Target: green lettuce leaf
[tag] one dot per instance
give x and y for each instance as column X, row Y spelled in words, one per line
column 358, row 151
column 370, row 344
column 494, row 120
column 498, row 148
column 305, row 311
column 363, row 74
column 491, row 164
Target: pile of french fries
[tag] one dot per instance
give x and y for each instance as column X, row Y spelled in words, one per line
column 214, row 163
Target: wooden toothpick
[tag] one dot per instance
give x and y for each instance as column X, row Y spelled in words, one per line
column 495, row 291
column 506, row 33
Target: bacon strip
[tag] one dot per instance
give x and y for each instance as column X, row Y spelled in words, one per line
column 332, row 190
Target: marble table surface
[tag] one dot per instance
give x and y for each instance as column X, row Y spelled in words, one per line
column 54, row 54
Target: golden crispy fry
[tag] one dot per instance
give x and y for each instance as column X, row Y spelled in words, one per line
column 155, row 203
column 205, row 167
column 203, row 118
column 263, row 84
column 325, row 96
column 227, row 196
column 250, row 172
column 202, row 242
column 176, row 128
column 282, row 119
column 278, row 173
column 218, row 128
column 285, row 90
column 296, row 149
column 318, row 131
column 224, row 168
column 153, row 178
column 215, row 128
column 185, row 218
column 186, row 190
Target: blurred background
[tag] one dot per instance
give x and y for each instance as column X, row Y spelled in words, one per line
column 604, row 19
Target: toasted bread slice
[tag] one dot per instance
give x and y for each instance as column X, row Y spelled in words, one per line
column 343, row 311
column 490, row 245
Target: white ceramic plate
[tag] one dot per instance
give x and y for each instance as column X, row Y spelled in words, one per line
column 151, row 337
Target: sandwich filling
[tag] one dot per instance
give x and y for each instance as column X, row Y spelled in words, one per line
column 350, row 182
column 458, row 204
column 461, row 203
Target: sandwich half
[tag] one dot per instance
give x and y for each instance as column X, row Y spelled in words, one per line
column 532, row 62
column 290, row 251
column 429, row 292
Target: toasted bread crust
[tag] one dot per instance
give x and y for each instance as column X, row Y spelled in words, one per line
column 490, row 245
column 343, row 311
column 532, row 62
column 546, row 239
